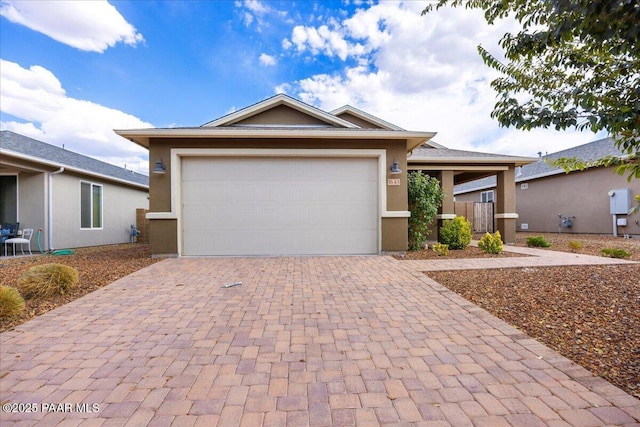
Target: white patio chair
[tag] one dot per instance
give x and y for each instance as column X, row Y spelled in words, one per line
column 24, row 240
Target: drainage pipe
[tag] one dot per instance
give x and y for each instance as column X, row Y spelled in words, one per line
column 50, row 210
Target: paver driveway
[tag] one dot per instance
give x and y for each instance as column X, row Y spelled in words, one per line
column 304, row 341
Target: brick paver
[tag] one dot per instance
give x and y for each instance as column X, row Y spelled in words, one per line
column 304, row 341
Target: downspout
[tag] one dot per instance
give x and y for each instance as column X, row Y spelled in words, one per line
column 50, row 213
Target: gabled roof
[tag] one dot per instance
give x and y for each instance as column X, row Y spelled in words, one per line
column 327, row 126
column 586, row 152
column 19, row 146
column 541, row 168
column 275, row 101
column 348, row 109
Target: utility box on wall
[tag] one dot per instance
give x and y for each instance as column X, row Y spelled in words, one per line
column 620, row 201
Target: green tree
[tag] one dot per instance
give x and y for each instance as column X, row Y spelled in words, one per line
column 573, row 64
column 425, row 197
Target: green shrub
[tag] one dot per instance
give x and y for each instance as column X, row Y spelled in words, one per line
column 574, row 245
column 441, row 249
column 47, row 280
column 615, row 253
column 491, row 243
column 537, row 242
column 11, row 302
column 425, row 197
column 456, row 233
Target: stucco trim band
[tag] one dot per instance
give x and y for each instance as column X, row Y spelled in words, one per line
column 396, row 214
column 445, row 216
column 506, row 216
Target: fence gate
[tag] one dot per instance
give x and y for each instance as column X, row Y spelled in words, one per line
column 483, row 217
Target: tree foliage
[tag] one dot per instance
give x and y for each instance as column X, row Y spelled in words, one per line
column 573, row 64
column 425, row 197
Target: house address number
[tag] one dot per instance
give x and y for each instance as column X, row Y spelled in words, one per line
column 393, row 181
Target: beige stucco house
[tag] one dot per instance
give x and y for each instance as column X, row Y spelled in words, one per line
column 550, row 200
column 282, row 177
column 75, row 200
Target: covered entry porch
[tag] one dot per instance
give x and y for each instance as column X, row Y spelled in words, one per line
column 453, row 167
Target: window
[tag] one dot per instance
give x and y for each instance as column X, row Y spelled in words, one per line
column 90, row 205
column 486, row 196
column 8, row 199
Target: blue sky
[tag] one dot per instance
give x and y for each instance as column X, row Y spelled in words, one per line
column 71, row 72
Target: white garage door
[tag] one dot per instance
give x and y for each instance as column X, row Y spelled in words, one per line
column 279, row 206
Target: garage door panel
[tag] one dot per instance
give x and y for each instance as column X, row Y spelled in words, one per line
column 267, row 192
column 309, row 218
column 279, row 206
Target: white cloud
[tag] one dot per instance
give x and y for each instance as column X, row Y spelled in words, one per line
column 267, row 59
column 256, row 7
column 257, row 11
column 36, row 97
column 86, row 25
column 421, row 73
column 331, row 42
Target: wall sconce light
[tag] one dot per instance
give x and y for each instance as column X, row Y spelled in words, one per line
column 160, row 167
column 395, row 168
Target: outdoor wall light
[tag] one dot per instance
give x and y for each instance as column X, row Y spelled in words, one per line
column 395, row 168
column 160, row 167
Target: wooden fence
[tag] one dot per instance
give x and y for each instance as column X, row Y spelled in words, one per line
column 483, row 217
column 479, row 214
column 142, row 224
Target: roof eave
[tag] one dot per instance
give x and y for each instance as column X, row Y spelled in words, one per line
column 142, row 136
column 517, row 161
column 56, row 165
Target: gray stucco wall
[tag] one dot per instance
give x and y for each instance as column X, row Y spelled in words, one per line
column 119, row 212
column 580, row 194
column 32, row 205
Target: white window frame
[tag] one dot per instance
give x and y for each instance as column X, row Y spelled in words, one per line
column 92, row 185
column 487, row 197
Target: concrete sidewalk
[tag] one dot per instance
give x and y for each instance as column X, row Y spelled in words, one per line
column 532, row 257
column 303, row 341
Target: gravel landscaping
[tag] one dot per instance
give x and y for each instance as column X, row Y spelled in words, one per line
column 98, row 266
column 590, row 314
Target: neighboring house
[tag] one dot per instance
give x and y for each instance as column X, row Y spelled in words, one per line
column 282, row 177
column 75, row 200
column 550, row 200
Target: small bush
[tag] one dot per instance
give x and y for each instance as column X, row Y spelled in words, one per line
column 615, row 253
column 537, row 242
column 574, row 245
column 11, row 302
column 456, row 233
column 441, row 249
column 47, row 280
column 491, row 243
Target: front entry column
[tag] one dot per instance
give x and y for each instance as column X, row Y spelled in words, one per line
column 505, row 214
column 447, row 210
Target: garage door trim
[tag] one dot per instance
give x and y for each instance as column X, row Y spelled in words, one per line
column 176, row 175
